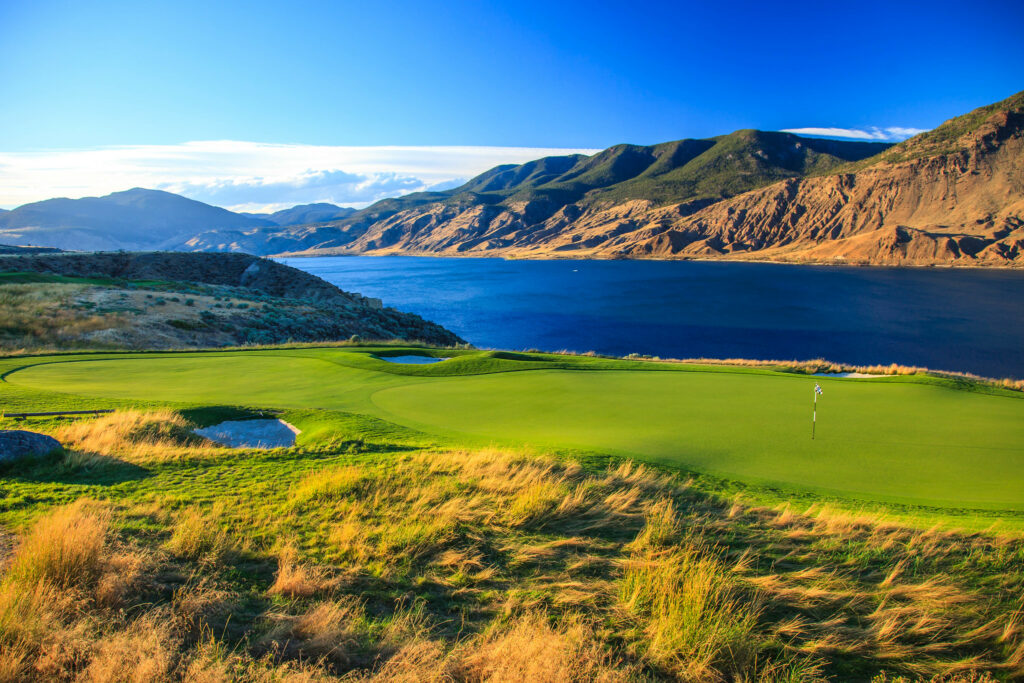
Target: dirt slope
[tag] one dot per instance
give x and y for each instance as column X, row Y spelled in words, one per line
column 953, row 196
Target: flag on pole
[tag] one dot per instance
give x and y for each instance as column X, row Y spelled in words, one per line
column 814, row 415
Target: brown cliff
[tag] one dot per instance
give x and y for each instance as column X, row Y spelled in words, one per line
column 953, row 196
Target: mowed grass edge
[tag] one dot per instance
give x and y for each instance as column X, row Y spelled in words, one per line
column 952, row 439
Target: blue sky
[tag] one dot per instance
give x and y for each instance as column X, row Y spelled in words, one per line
column 89, row 76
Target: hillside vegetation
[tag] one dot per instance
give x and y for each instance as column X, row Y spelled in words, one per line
column 165, row 300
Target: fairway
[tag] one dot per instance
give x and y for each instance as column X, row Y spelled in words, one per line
column 886, row 439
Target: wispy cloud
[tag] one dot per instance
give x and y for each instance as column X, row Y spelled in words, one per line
column 888, row 134
column 250, row 176
column 338, row 187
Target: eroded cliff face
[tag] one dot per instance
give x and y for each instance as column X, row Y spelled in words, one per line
column 960, row 202
column 966, row 207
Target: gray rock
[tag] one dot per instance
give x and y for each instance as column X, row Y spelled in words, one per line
column 16, row 444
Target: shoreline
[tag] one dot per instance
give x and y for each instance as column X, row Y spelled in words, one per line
column 723, row 259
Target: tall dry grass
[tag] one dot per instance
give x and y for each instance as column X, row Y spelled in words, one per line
column 63, row 575
column 696, row 619
column 518, row 568
column 297, row 579
column 65, row 549
column 385, row 518
column 137, row 436
column 531, row 648
column 200, row 536
column 43, row 316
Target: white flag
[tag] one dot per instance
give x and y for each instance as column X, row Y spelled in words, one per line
column 817, row 389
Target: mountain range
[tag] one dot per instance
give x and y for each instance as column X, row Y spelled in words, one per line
column 951, row 196
column 305, row 213
column 140, row 219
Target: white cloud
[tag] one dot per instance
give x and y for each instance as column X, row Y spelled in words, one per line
column 889, row 134
column 251, row 176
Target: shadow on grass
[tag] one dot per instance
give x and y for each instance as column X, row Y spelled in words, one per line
column 72, row 467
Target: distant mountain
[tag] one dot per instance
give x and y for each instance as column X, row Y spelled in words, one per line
column 133, row 219
column 954, row 195
column 305, row 213
column 511, row 208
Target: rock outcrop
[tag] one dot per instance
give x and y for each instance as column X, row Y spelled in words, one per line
column 16, row 444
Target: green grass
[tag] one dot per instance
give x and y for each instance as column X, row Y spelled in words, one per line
column 23, row 278
column 902, row 440
column 386, row 542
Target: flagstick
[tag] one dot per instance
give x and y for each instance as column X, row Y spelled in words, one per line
column 814, row 415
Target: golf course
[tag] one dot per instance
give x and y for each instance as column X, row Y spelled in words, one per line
column 907, row 439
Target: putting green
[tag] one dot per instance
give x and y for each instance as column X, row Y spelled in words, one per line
column 882, row 439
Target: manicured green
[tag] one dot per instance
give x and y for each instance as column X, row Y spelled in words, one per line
column 914, row 440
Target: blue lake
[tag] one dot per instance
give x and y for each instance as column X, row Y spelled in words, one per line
column 967, row 320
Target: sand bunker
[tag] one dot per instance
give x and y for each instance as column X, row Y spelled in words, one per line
column 846, row 374
column 251, row 434
column 411, row 360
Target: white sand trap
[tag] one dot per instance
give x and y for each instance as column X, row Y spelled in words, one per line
column 410, row 360
column 846, row 374
column 251, row 434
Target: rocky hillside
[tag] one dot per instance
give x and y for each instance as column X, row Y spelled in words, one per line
column 165, row 300
column 954, row 195
column 545, row 205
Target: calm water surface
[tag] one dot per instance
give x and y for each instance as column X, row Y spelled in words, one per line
column 969, row 320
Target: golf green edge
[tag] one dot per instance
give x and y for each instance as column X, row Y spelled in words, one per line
column 903, row 440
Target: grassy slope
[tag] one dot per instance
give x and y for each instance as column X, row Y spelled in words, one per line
column 903, row 440
column 379, row 552
column 373, row 556
column 44, row 311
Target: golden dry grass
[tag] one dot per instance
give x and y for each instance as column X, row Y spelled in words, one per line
column 199, row 536
column 65, row 549
column 295, row 579
column 36, row 315
column 489, row 566
column 137, row 436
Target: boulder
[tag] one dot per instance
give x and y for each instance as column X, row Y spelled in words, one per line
column 16, row 444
